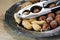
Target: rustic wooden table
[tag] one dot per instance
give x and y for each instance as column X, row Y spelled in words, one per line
column 5, row 32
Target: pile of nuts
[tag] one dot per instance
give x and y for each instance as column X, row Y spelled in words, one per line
column 42, row 23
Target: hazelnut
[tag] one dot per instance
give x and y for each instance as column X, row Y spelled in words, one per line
column 58, row 19
column 49, row 19
column 51, row 5
column 25, row 13
column 42, row 18
column 45, row 27
column 58, row 12
column 51, row 15
column 53, row 24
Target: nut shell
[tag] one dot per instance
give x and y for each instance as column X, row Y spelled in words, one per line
column 58, row 12
column 26, row 12
column 32, row 19
column 53, row 24
column 51, row 15
column 45, row 27
column 49, row 19
column 58, row 19
column 39, row 22
column 36, row 27
column 18, row 20
column 51, row 5
column 36, row 11
column 34, row 1
column 42, row 18
column 26, row 24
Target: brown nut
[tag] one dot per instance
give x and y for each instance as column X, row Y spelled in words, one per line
column 49, row 19
column 26, row 24
column 18, row 20
column 42, row 18
column 51, row 5
column 58, row 19
column 58, row 12
column 36, row 27
column 51, row 15
column 45, row 27
column 53, row 24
